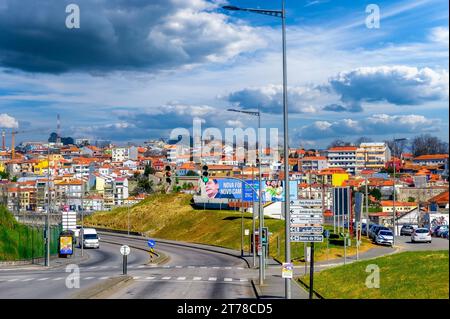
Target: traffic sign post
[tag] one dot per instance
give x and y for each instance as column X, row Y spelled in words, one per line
column 125, row 251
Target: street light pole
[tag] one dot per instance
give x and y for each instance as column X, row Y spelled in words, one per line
column 394, row 213
column 280, row 14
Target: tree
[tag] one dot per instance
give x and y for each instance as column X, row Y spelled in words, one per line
column 411, row 199
column 376, row 193
column 362, row 139
column 144, row 185
column 149, row 170
column 396, row 147
column 427, row 144
column 4, row 175
column 339, row 142
column 191, row 173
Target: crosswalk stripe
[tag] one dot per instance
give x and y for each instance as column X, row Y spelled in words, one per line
column 141, row 266
column 150, row 278
column 178, row 266
column 58, row 278
column 227, row 279
column 181, row 278
column 136, row 277
column 166, row 278
column 203, row 267
column 215, row 267
column 93, row 267
column 103, row 278
column 88, row 278
column 227, row 267
column 190, row 267
column 197, row 278
column 243, row 279
column 212, row 278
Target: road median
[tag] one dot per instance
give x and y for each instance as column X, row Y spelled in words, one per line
column 105, row 288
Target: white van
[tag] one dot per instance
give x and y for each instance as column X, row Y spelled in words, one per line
column 90, row 238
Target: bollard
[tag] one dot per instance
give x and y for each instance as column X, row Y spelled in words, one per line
column 124, row 268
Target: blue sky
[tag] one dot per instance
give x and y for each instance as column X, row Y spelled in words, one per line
column 137, row 69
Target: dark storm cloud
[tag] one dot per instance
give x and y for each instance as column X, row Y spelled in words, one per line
column 116, row 35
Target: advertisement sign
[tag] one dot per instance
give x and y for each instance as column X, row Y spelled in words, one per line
column 358, row 206
column 293, row 190
column 341, row 201
column 287, row 270
column 273, row 191
column 65, row 245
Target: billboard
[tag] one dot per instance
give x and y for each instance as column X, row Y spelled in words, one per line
column 272, row 190
column 65, row 245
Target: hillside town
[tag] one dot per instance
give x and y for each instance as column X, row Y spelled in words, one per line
column 85, row 177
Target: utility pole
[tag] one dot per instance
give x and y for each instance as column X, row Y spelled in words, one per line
column 47, row 219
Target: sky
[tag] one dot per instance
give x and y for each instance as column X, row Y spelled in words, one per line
column 136, row 69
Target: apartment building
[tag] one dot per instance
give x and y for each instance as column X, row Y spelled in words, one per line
column 312, row 163
column 431, row 160
column 120, row 154
column 343, row 157
column 372, row 156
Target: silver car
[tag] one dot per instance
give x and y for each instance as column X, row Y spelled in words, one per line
column 421, row 235
column 385, row 237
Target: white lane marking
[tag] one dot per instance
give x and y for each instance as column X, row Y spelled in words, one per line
column 104, row 267
column 181, row 278
column 136, row 277
column 150, row 278
column 141, row 266
column 58, row 278
column 42, row 279
column 167, row 266
column 227, row 267
column 215, row 267
column 93, row 267
column 153, row 265
column 28, row 279
column 131, row 266
column 212, row 278
column 190, row 267
column 166, row 278
column 197, row 278
column 14, row 279
column 88, row 278
column 243, row 279
column 240, row 267
column 103, row 278
column 178, row 266
column 227, row 279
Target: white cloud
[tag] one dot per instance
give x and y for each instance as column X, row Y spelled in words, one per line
column 440, row 35
column 7, row 121
column 377, row 124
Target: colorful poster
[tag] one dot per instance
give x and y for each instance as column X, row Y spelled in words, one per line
column 65, row 245
column 273, row 191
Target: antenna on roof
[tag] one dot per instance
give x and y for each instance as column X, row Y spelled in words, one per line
column 58, row 129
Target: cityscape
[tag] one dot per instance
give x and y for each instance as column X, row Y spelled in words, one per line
column 224, row 150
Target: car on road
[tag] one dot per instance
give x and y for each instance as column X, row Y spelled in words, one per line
column 421, row 235
column 384, row 237
column 407, row 229
column 445, row 234
column 90, row 238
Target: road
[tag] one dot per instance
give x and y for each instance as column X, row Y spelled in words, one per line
column 190, row 273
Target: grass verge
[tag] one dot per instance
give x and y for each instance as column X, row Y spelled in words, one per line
column 407, row 275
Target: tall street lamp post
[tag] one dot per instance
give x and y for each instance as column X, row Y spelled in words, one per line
column 280, row 14
column 260, row 210
column 394, row 214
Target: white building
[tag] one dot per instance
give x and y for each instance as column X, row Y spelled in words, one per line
column 343, row 157
column 120, row 154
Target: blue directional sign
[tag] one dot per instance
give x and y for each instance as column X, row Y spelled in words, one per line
column 151, row 243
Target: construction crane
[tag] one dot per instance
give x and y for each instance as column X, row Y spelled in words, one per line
column 13, row 138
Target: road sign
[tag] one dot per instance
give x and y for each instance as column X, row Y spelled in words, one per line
column 125, row 250
column 247, row 232
column 307, row 229
column 306, row 220
column 265, row 235
column 151, row 243
column 306, row 202
column 300, row 238
column 287, row 271
column 326, row 233
column 304, row 211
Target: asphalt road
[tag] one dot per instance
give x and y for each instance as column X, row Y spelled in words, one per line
column 189, row 274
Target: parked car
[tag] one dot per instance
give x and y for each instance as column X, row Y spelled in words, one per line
column 445, row 234
column 90, row 238
column 421, row 235
column 372, row 229
column 385, row 237
column 407, row 230
column 373, row 234
column 435, row 230
column 441, row 230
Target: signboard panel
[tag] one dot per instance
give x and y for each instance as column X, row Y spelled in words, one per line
column 65, row 245
column 306, row 220
column 306, row 229
column 295, row 211
column 341, row 201
column 300, row 238
column 287, row 270
column 358, row 206
column 306, row 202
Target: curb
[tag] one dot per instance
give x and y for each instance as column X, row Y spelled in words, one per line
column 38, row 262
column 102, row 290
column 300, row 282
column 256, row 290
